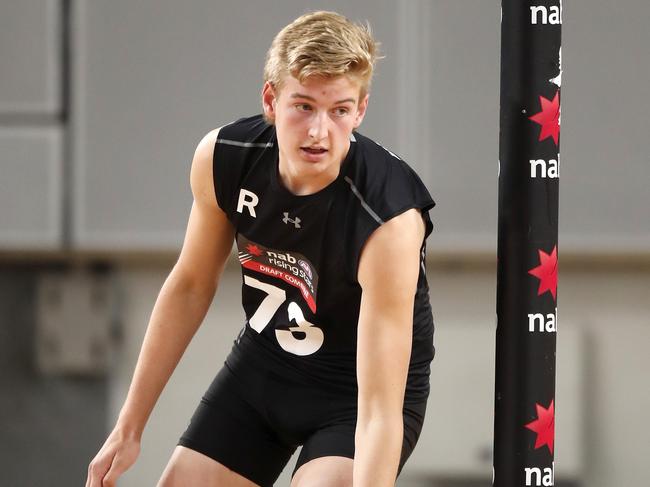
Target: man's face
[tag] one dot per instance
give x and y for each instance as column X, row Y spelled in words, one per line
column 313, row 123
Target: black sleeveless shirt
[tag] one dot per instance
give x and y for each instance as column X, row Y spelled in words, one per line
column 299, row 256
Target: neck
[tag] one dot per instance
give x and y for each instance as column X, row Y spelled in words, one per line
column 301, row 183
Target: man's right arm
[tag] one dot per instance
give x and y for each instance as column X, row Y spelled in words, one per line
column 186, row 294
column 178, row 312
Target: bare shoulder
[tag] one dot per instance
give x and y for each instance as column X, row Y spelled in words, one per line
column 399, row 233
column 209, row 235
column 201, row 177
column 390, row 247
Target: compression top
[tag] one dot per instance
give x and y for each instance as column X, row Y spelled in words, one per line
column 299, row 256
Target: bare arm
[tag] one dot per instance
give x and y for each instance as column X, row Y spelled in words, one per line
column 388, row 274
column 177, row 314
column 185, row 296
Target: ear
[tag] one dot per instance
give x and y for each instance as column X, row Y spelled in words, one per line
column 269, row 99
column 361, row 111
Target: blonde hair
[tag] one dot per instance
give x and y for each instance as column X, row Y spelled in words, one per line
column 322, row 44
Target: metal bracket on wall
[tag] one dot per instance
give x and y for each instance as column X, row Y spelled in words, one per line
column 76, row 322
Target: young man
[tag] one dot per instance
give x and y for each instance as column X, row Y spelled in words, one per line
column 331, row 230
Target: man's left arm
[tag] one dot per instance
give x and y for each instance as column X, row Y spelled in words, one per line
column 388, row 274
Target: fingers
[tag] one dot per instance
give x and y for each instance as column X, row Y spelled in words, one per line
column 96, row 472
column 117, row 468
column 111, row 462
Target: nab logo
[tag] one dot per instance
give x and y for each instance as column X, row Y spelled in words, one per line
column 544, row 169
column 249, row 200
column 286, row 220
column 537, row 322
column 547, row 15
column 538, row 477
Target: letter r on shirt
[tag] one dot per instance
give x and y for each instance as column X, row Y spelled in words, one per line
column 249, row 200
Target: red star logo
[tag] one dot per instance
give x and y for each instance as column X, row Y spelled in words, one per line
column 549, row 118
column 546, row 272
column 544, row 426
column 253, row 250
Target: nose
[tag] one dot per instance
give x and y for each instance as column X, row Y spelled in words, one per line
column 318, row 126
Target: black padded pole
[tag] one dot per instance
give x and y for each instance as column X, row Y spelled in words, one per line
column 529, row 169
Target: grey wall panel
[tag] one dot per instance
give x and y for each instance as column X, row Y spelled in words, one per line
column 30, row 57
column 151, row 78
column 604, row 197
column 604, row 143
column 30, row 188
column 449, row 86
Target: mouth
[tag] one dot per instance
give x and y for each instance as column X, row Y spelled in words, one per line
column 314, row 150
column 313, row 154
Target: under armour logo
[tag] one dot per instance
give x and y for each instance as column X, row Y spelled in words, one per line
column 286, row 220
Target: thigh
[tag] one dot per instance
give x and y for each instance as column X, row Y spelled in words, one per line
column 234, row 433
column 337, row 441
column 188, row 467
column 327, row 471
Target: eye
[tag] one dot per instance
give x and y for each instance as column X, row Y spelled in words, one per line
column 341, row 111
column 302, row 107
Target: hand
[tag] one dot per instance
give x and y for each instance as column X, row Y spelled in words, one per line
column 115, row 457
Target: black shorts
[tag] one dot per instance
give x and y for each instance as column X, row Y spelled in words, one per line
column 253, row 423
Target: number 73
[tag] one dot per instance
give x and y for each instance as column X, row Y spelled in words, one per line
column 275, row 297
